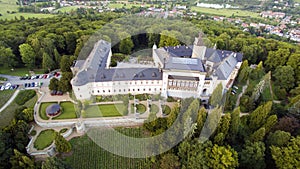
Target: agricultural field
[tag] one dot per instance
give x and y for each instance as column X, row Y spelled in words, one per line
column 68, row 111
column 5, row 96
column 87, row 154
column 8, row 6
column 44, row 139
column 107, row 110
column 8, row 114
column 225, row 12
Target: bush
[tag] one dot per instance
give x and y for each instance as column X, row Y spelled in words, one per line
column 33, row 133
column 24, row 96
column 171, row 99
column 63, row 130
column 166, row 109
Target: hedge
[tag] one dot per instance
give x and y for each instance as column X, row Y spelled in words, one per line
column 24, row 96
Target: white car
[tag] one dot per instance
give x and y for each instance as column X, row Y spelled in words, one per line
column 2, row 88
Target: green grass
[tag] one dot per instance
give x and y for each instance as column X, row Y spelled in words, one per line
column 42, row 109
column 18, row 71
column 115, row 5
column 107, row 110
column 166, row 109
column 3, row 79
column 87, row 154
column 225, row 12
column 68, row 111
column 154, row 108
column 8, row 114
column 5, row 96
column 44, row 139
column 140, row 108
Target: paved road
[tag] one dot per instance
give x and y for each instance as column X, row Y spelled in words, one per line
column 12, row 98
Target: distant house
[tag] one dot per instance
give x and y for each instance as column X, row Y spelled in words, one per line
column 270, row 14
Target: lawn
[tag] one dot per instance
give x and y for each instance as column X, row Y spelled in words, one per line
column 166, row 109
column 68, row 111
column 115, row 5
column 18, row 71
column 44, row 139
column 5, row 96
column 42, row 109
column 154, row 108
column 8, row 114
column 87, row 154
column 107, row 110
column 225, row 12
column 140, row 108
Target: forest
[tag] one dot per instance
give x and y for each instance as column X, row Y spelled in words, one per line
column 267, row 137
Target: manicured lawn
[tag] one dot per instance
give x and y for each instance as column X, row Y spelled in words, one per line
column 140, row 108
column 44, row 139
column 18, row 71
column 87, row 154
column 154, row 108
column 225, row 12
column 43, row 108
column 107, row 110
column 8, row 114
column 68, row 111
column 166, row 109
column 5, row 96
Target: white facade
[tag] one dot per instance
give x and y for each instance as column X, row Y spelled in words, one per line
column 180, row 72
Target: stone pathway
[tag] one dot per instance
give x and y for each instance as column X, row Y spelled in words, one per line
column 12, row 98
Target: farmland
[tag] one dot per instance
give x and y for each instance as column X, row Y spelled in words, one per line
column 225, row 12
column 87, row 154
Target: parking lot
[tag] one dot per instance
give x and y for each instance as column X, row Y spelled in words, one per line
column 27, row 82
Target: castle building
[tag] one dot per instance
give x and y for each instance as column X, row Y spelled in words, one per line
column 178, row 71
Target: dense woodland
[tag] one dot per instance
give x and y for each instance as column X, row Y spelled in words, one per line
column 266, row 138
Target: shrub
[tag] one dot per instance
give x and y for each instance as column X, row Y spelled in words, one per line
column 166, row 109
column 63, row 130
column 33, row 133
column 24, row 96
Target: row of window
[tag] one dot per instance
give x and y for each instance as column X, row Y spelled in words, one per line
column 130, row 83
column 176, row 83
column 126, row 90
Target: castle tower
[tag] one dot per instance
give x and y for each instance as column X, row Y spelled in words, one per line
column 199, row 48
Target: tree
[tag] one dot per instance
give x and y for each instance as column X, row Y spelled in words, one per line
column 235, row 123
column 64, row 84
column 7, row 58
column 221, row 157
column 169, row 161
column 21, row 161
column 287, row 124
column 244, row 72
column 284, row 77
column 258, row 135
column 277, row 58
column 270, row 122
column 25, row 114
column 126, row 46
column 65, row 64
column 216, row 96
column 278, row 138
column 48, row 63
column 201, row 118
column 287, row 157
column 258, row 116
column 71, row 38
column 252, row 156
column 294, row 62
column 169, row 38
column 53, row 85
column 28, row 55
column 62, row 145
column 54, row 163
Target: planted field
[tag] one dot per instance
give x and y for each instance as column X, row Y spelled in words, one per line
column 44, row 139
column 87, row 154
column 68, row 111
column 107, row 110
column 225, row 12
column 5, row 96
column 8, row 114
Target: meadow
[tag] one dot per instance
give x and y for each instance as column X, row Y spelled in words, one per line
column 225, row 12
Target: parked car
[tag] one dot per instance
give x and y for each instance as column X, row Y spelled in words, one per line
column 2, row 88
column 32, row 84
column 235, row 87
column 28, row 84
column 53, row 92
column 25, row 85
column 59, row 93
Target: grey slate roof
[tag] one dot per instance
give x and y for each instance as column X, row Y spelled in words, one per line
column 52, row 109
column 226, row 67
column 125, row 74
column 184, row 64
column 179, row 51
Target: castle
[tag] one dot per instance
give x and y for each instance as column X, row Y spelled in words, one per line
column 177, row 71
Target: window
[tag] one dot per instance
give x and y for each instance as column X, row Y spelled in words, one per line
column 119, row 90
column 103, row 91
column 149, row 89
column 124, row 90
column 129, row 90
column 141, row 82
column 132, row 89
column 92, row 91
column 108, row 91
column 98, row 91
column 138, row 89
column 78, row 89
column 144, row 89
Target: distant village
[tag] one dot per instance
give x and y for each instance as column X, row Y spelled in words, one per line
column 285, row 25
